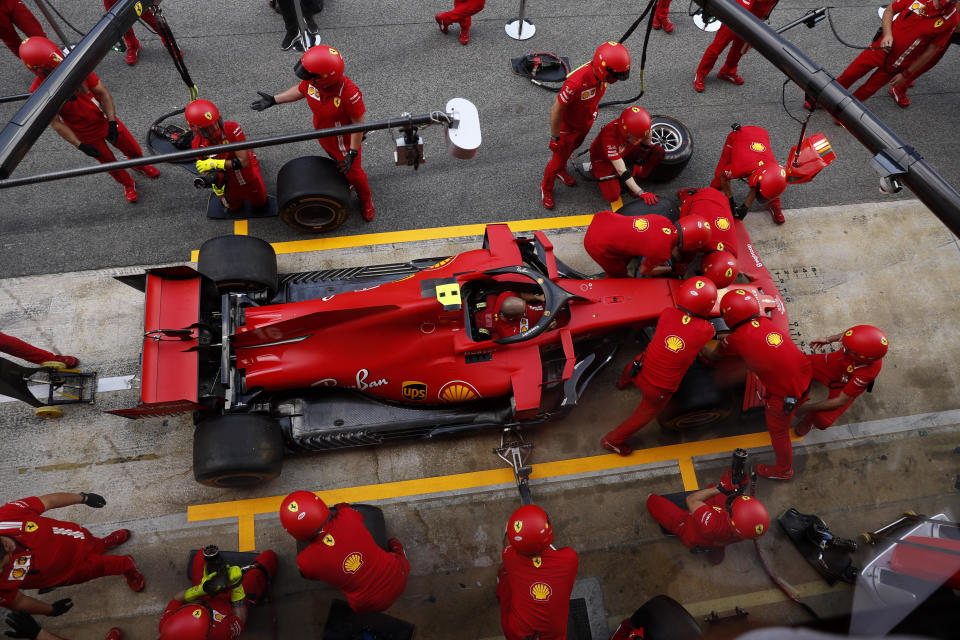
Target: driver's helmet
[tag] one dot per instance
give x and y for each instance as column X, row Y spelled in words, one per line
column 864, row 343
column 302, row 514
column 611, row 62
column 189, row 622
column 721, row 267
column 529, row 530
column 738, row 306
column 698, row 296
column 749, row 517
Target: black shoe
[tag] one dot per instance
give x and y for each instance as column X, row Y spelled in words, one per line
column 288, row 40
column 311, row 25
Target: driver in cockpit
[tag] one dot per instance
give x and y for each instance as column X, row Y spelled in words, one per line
column 515, row 312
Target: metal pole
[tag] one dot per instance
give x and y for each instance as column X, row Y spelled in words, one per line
column 53, row 24
column 306, row 38
column 803, row 130
column 520, row 28
column 15, row 97
column 175, row 156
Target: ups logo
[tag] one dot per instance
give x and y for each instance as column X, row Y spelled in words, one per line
column 414, row 390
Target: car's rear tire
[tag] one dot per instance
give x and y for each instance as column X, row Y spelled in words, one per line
column 677, row 145
column 239, row 264
column 664, row 618
column 237, row 450
column 697, row 403
column 665, row 207
column 312, row 194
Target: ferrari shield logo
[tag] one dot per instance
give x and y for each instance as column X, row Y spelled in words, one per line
column 293, row 506
column 517, row 525
column 414, row 390
column 667, row 230
column 700, row 284
column 197, row 613
column 938, row 23
column 883, row 341
column 759, row 147
column 850, row 368
column 537, row 561
column 328, row 540
column 755, row 324
column 848, row 333
column 30, row 527
column 336, row 102
column 719, row 246
column 759, row 529
column 686, row 319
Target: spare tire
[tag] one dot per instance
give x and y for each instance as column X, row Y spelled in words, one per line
column 237, row 450
column 312, row 194
column 677, row 143
column 239, row 264
column 664, row 618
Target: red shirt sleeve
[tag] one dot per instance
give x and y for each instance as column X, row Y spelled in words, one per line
column 303, row 87
column 354, row 102
column 900, row 5
column 31, row 504
column 708, row 521
column 860, row 380
column 608, row 138
column 569, row 88
column 92, row 81
column 235, row 132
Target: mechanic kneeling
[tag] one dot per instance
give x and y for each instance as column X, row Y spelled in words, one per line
column 628, row 138
column 343, row 553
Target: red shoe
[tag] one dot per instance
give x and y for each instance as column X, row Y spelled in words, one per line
column 698, row 83
column 114, row 634
column 775, row 212
column 566, row 178
column 683, row 194
column 546, row 196
column 464, row 36
column 809, row 106
column 368, row 212
column 899, row 95
column 131, row 193
column 803, row 428
column 772, row 473
column 116, row 538
column 444, row 27
column 68, row 362
column 619, row 449
column 132, row 54
column 731, row 77
column 667, row 25
column 135, row 579
column 656, row 23
column 148, row 170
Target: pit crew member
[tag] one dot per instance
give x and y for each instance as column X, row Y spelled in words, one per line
column 130, row 39
column 535, row 578
column 899, row 93
column 681, row 333
column 725, row 36
column 343, row 553
column 628, row 138
column 846, row 373
column 714, row 207
column 661, row 18
column 23, row 625
column 462, row 13
column 335, row 101
column 575, row 109
column 782, row 368
column 14, row 13
column 26, row 351
column 239, row 170
column 40, row 552
column 746, row 154
column 87, row 120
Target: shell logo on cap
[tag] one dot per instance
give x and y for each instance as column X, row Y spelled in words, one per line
column 537, row 561
column 352, row 563
column 722, row 223
column 686, row 319
column 883, row 341
column 208, row 115
column 758, row 147
column 30, row 527
column 517, row 525
column 641, row 224
column 675, row 343
column 293, row 506
column 755, row 324
column 774, row 339
column 328, row 540
column 541, row 591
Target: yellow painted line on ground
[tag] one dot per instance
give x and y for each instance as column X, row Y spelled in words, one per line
column 415, row 235
column 240, row 227
column 616, row 205
column 759, row 598
column 245, row 510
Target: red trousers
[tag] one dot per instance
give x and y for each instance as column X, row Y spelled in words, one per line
column 95, row 565
column 663, row 11
column 356, row 176
column 723, row 38
column 570, row 139
column 462, row 12
column 860, row 66
column 653, row 402
column 13, row 13
column 126, row 143
column 778, row 424
column 20, row 349
column 673, row 519
column 610, row 189
column 129, row 38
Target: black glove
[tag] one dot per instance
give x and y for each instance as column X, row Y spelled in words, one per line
column 733, row 206
column 740, row 212
column 113, row 131
column 22, row 625
column 60, row 607
column 90, row 150
column 94, row 500
column 265, row 102
column 347, row 162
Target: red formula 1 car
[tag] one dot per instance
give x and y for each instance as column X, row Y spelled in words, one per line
column 362, row 356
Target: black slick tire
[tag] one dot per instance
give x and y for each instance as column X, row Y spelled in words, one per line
column 312, row 194
column 239, row 264
column 237, row 450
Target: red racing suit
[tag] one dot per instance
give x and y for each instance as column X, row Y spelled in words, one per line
column 917, row 26
column 82, row 113
column 462, row 12
column 335, row 107
column 725, row 37
column 612, row 240
column 242, row 185
column 930, row 65
column 608, row 146
column 744, row 151
column 13, row 13
column 782, row 368
column 708, row 526
column 24, row 350
column 580, row 93
column 345, row 556
column 713, row 206
column 50, row 552
column 225, row 624
column 498, row 326
column 675, row 345
column 147, row 16
column 534, row 593
column 840, row 374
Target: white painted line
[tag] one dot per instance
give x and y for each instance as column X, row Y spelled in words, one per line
column 118, row 383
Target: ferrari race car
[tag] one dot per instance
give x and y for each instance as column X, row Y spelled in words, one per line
column 362, row 356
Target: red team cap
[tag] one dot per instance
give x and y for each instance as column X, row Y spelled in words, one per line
column 529, row 530
column 864, row 342
column 698, row 296
column 748, row 517
column 189, row 622
column 721, row 267
column 302, row 514
column 694, row 232
column 611, row 62
column 40, row 55
column 738, row 306
column 770, row 180
column 204, row 118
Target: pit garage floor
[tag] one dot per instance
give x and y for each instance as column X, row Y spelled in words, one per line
column 890, row 264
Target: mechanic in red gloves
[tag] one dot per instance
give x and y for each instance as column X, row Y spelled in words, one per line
column 343, row 554
column 782, row 368
column 195, row 614
column 39, row 552
column 661, row 17
column 905, row 45
column 612, row 240
column 462, row 13
column 535, row 578
column 682, row 331
column 628, row 138
column 335, row 101
column 746, row 154
column 23, row 625
column 241, row 180
column 575, row 109
column 846, row 373
column 13, row 13
column 899, row 92
column 88, row 120
column 715, row 517
column 25, row 351
column 725, row 36
column 133, row 45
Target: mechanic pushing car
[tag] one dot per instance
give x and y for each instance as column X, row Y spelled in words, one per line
column 711, row 205
column 725, row 36
column 39, row 552
column 26, row 351
column 462, row 13
column 846, row 373
column 335, row 101
column 343, row 553
column 535, row 579
column 205, row 612
column 781, row 367
column 612, row 240
column 746, row 154
column 628, row 138
column 236, row 174
column 88, row 120
column 575, row 109
column 681, row 333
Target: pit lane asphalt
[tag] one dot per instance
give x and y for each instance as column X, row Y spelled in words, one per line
column 401, row 62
